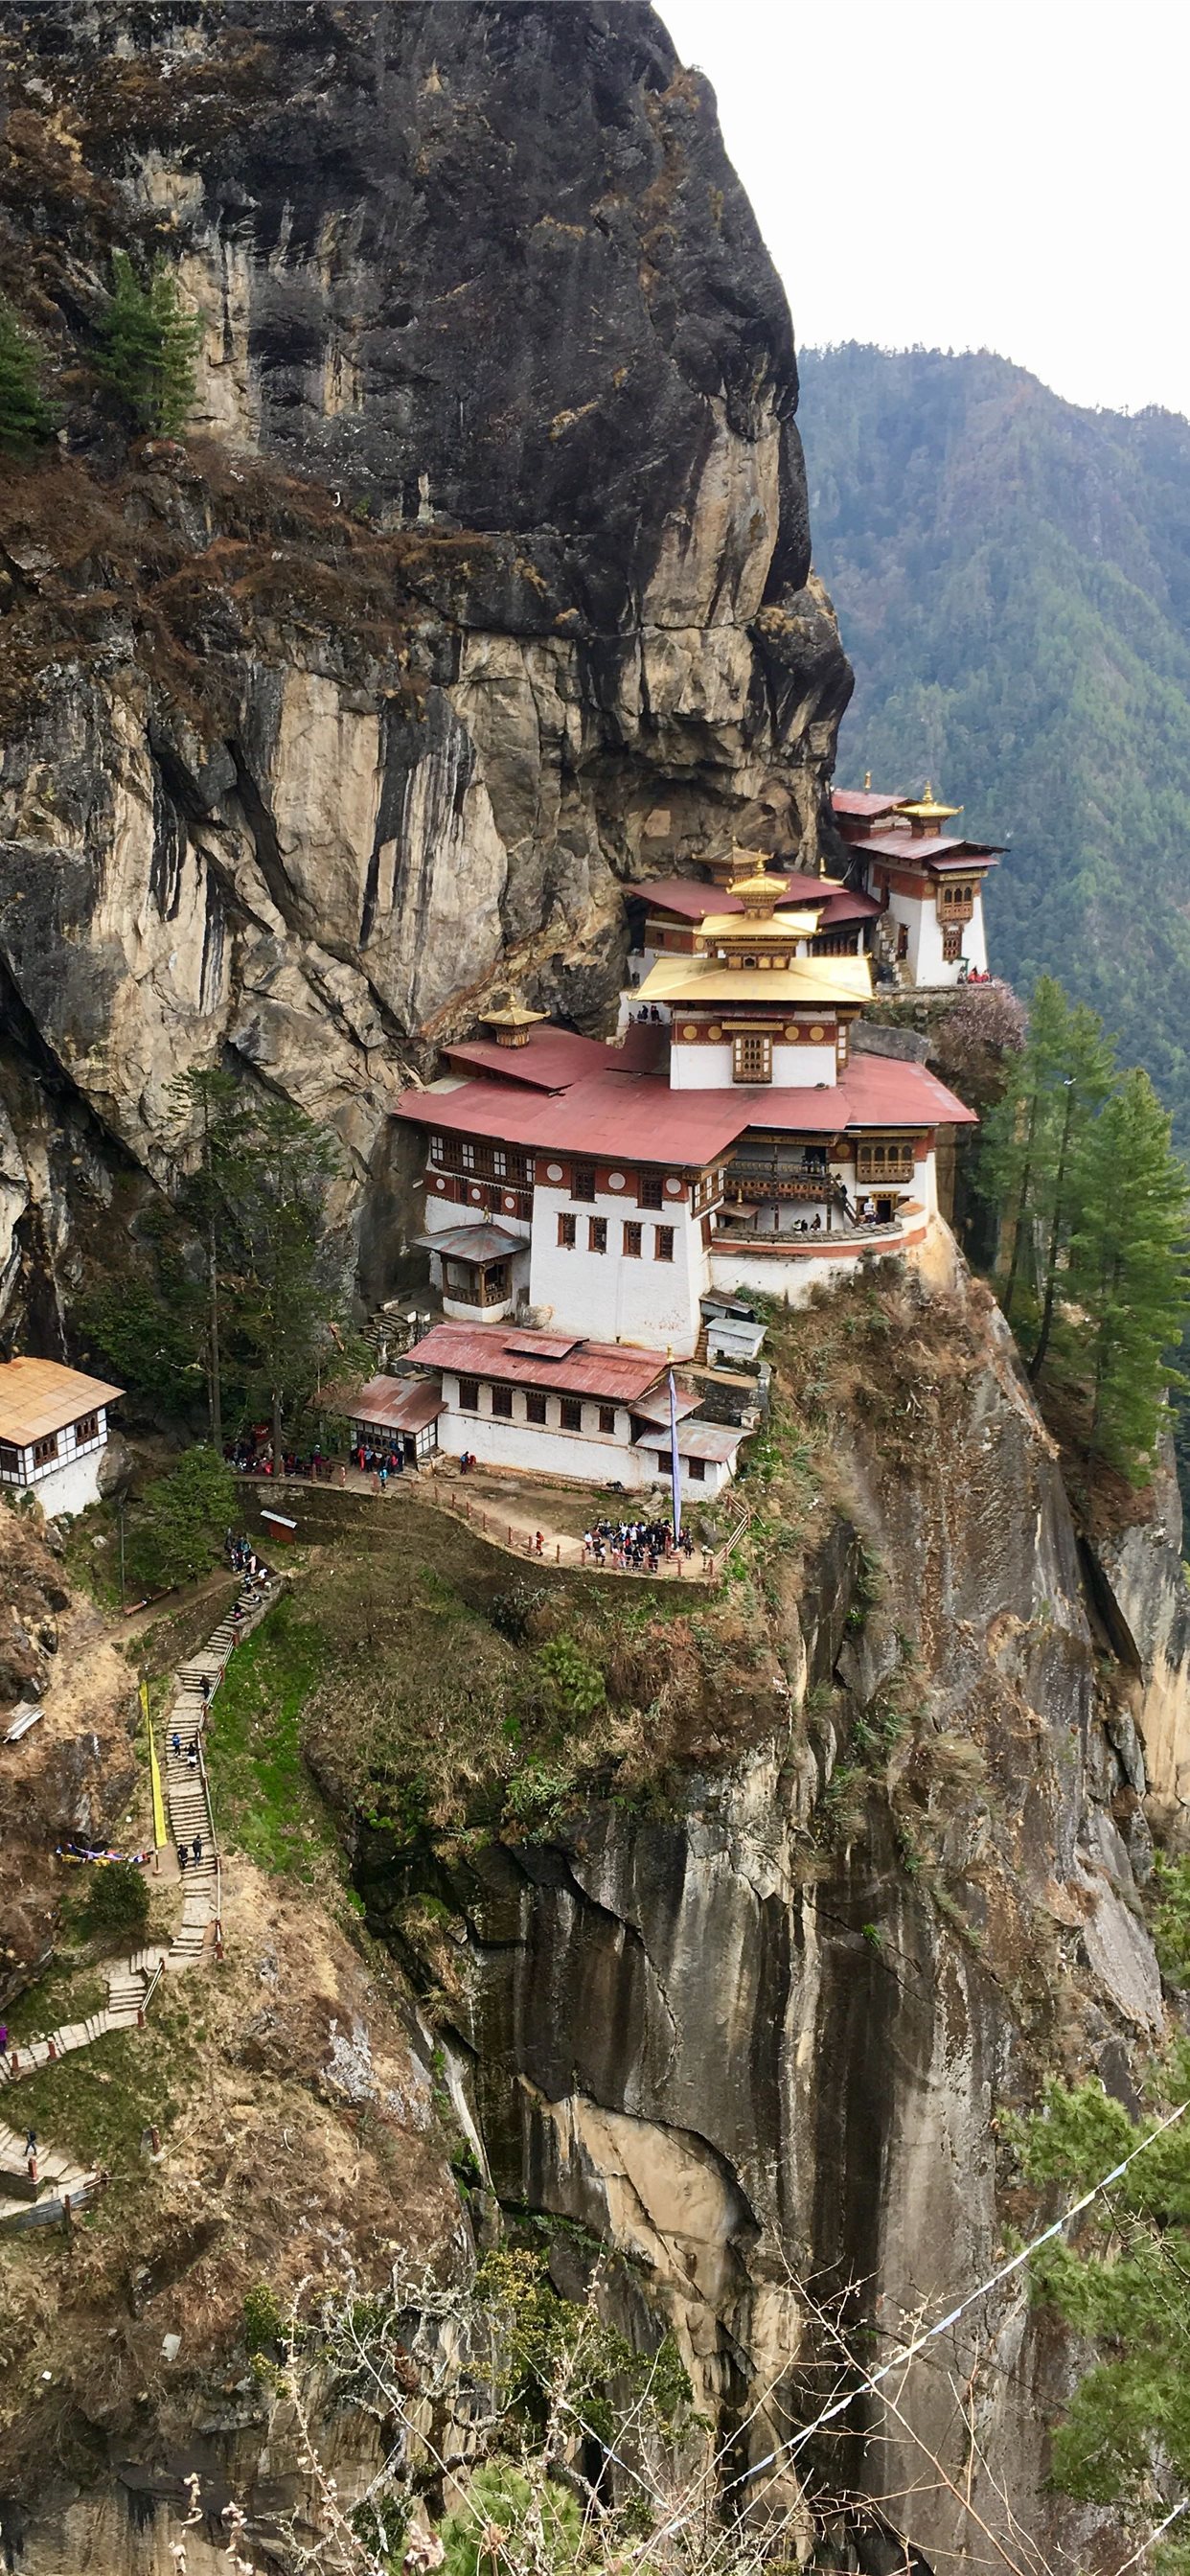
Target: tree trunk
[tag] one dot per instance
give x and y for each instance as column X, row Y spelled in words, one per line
column 1022, row 1205
column 1051, row 1263
column 214, row 1380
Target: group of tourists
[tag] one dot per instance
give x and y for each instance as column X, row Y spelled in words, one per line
column 378, row 1463
column 243, row 1559
column 254, row 1455
column 634, row 1547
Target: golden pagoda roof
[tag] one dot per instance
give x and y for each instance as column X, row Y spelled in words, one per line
column 926, row 809
column 513, row 1016
column 811, row 982
column 752, row 930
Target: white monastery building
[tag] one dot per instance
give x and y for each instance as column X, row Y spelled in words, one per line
column 584, row 1199
column 53, row 1432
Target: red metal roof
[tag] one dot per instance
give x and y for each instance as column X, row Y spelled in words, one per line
column 681, row 895
column 395, row 1404
column 655, row 1407
column 875, row 1091
column 927, row 850
column 848, row 906
column 614, row 1370
column 550, row 1061
column 636, row 1118
column 613, row 1114
column 697, row 1440
column 860, row 802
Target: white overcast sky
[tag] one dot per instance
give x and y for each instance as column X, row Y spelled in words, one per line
column 1011, row 177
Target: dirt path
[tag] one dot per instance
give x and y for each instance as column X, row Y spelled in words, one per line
column 133, row 1980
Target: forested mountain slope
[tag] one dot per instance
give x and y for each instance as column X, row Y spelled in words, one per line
column 1012, row 576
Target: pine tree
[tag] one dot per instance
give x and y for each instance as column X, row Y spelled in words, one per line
column 25, row 416
column 149, row 344
column 1130, row 1271
column 1055, row 1089
column 1086, row 1070
column 179, row 337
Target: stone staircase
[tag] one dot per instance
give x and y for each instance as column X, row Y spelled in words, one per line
column 132, row 1983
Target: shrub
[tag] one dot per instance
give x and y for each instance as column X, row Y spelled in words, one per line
column 574, row 1682
column 117, row 1899
column 499, row 2494
column 264, row 2325
column 181, row 1520
column 25, row 416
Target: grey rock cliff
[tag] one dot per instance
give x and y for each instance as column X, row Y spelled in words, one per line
column 483, row 586
column 760, row 2042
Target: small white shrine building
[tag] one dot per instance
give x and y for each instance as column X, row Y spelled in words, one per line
column 53, row 1432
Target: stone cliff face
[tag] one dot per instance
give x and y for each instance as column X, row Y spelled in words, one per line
column 482, row 585
column 759, row 2042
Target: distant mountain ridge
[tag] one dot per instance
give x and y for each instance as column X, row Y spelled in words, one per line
column 1012, row 580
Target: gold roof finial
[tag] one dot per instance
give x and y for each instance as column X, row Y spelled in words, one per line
column 867, row 782
column 925, row 813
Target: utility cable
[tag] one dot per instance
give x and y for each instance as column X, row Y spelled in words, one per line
column 908, row 2353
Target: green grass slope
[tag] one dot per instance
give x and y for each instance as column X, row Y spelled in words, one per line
column 1012, row 577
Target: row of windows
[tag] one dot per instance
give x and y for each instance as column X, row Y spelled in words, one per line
column 953, row 895
column 650, row 1189
column 487, row 1162
column 53, row 1446
column 482, row 1161
column 884, row 1162
column 633, row 1237
column 570, row 1413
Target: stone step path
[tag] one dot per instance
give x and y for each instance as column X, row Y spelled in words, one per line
column 132, row 1983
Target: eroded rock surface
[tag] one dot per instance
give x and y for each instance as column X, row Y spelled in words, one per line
column 483, row 585
column 760, row 2042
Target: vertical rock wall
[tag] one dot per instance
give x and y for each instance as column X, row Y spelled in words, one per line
column 482, row 585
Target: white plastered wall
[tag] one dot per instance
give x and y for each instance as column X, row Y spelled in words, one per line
column 544, row 1449
column 709, row 1068
column 606, row 1297
column 70, row 1486
column 925, row 960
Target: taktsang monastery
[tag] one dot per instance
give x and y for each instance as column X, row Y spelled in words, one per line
column 590, row 1206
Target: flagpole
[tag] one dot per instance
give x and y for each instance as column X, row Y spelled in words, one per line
column 675, row 1468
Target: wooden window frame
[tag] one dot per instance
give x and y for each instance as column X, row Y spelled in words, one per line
column 952, row 942
column 696, row 1469
column 567, row 1231
column 607, row 1420
column 86, row 1430
column 650, row 1190
column 597, row 1234
column 634, row 1240
column 581, row 1174
column 45, row 1451
column 571, row 1417
column 536, row 1406
column 752, row 1057
column 468, row 1395
column 882, row 1160
column 501, row 1404
column 663, row 1242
